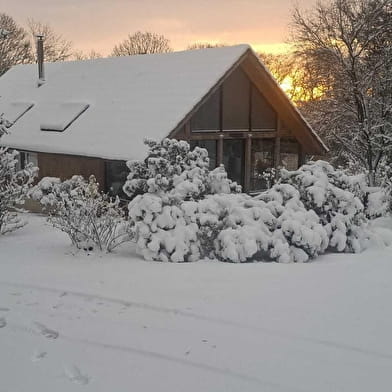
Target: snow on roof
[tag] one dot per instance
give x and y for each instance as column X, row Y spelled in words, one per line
column 129, row 98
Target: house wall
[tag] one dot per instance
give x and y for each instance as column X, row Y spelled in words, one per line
column 66, row 166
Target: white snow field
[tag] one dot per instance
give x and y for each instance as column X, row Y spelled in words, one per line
column 76, row 322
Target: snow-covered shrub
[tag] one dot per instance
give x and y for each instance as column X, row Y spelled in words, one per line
column 235, row 227
column 240, row 228
column 270, row 177
column 373, row 199
column 163, row 232
column 4, row 125
column 227, row 227
column 164, row 188
column 299, row 227
column 76, row 207
column 329, row 192
column 175, row 172
column 181, row 211
column 14, row 185
column 385, row 180
column 378, row 202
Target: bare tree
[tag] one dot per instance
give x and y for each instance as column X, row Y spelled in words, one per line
column 142, row 43
column 204, row 45
column 56, row 47
column 297, row 76
column 347, row 45
column 15, row 47
column 80, row 55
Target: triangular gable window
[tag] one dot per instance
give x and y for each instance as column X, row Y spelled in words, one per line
column 13, row 111
column 60, row 116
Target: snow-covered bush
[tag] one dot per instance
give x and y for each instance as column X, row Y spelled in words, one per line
column 181, row 211
column 163, row 232
column 270, row 176
column 330, row 193
column 14, row 185
column 4, row 125
column 299, row 226
column 373, row 199
column 174, row 172
column 378, row 201
column 240, row 228
column 164, row 188
column 188, row 212
column 385, row 179
column 76, row 207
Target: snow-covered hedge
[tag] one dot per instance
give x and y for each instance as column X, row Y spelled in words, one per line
column 14, row 185
column 240, row 228
column 90, row 218
column 227, row 227
column 181, row 211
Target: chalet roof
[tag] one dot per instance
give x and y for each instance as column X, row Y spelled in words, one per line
column 106, row 107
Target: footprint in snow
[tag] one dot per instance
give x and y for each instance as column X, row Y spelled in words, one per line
column 3, row 322
column 4, row 309
column 16, row 294
column 74, row 374
column 38, row 355
column 46, row 332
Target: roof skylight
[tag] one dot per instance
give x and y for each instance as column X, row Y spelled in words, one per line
column 62, row 115
column 13, row 111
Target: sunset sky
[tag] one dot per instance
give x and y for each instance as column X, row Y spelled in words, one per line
column 100, row 24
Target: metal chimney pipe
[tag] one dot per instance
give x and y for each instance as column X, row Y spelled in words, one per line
column 40, row 59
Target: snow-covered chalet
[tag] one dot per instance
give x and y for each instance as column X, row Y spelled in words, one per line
column 89, row 117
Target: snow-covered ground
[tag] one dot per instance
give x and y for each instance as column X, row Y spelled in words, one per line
column 118, row 323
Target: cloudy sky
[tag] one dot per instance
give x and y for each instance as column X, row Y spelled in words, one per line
column 100, row 24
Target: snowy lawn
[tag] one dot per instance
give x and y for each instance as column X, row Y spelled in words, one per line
column 118, row 323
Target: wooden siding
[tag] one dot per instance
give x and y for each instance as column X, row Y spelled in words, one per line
column 66, row 166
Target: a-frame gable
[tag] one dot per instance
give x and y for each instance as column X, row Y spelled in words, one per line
column 268, row 89
column 286, row 110
column 213, row 90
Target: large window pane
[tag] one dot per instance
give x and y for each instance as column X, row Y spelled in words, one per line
column 263, row 116
column 116, row 175
column 236, row 101
column 210, row 146
column 289, row 154
column 207, row 117
column 262, row 158
column 233, row 159
column 25, row 158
